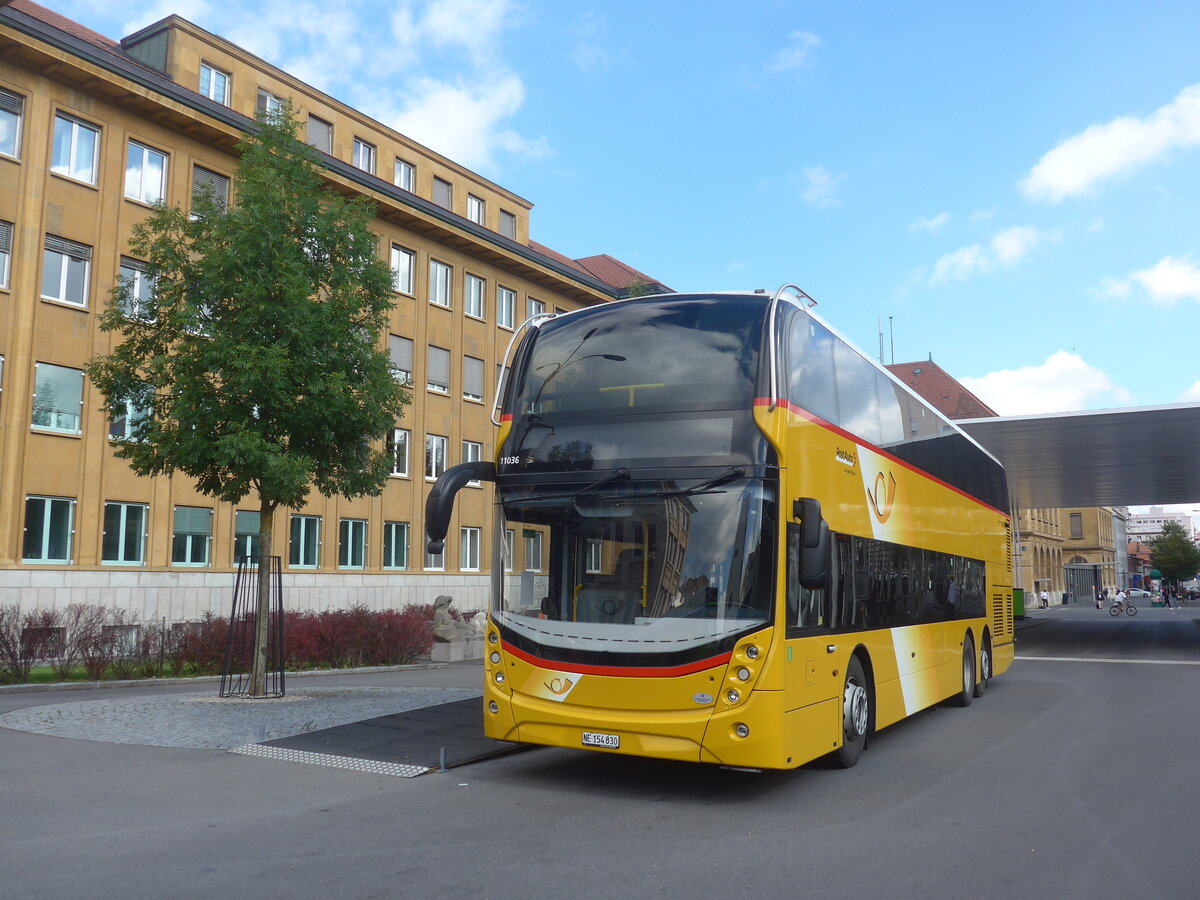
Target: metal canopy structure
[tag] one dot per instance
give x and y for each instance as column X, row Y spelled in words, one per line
column 1115, row 457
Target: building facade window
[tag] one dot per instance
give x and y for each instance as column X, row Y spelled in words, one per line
column 214, row 185
column 124, row 541
column 352, row 544
column 145, row 174
column 49, row 529
column 438, row 378
column 533, row 551
column 595, row 550
column 320, row 134
column 435, row 456
column 214, row 83
column 397, row 445
column 473, row 296
column 476, row 210
column 536, row 307
column 305, row 547
column 508, row 224
column 435, row 562
column 439, row 283
column 395, row 545
column 403, row 269
column 364, row 155
column 443, row 193
column 506, row 307
column 58, row 398
column 1076, row 525
column 400, row 350
column 191, row 543
column 137, row 298
column 6, row 232
column 66, row 266
column 472, row 451
column 123, row 421
column 246, row 526
column 405, row 175
column 268, row 103
column 76, row 149
column 468, row 549
column 473, row 378
column 12, row 113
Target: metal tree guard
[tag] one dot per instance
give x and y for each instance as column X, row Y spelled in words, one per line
column 239, row 649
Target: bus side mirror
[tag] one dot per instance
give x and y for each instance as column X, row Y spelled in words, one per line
column 440, row 502
column 814, row 543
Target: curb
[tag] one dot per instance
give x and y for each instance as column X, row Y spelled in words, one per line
column 199, row 679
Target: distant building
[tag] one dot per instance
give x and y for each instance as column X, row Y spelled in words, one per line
column 1146, row 526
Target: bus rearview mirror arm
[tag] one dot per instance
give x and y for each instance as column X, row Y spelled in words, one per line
column 440, row 503
column 814, row 543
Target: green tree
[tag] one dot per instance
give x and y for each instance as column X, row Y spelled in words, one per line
column 255, row 366
column 1174, row 554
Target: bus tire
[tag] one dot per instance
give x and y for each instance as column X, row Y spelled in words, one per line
column 985, row 668
column 856, row 715
column 967, row 691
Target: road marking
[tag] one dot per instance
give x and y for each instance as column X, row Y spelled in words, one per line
column 1097, row 659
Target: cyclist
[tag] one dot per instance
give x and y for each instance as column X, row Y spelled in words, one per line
column 1119, row 602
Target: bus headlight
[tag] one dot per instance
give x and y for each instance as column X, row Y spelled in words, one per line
column 493, row 637
column 493, row 707
column 743, row 674
column 752, row 651
column 741, row 730
column 733, row 696
column 495, row 657
column 499, row 678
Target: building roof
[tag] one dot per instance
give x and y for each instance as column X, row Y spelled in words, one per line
column 938, row 388
column 618, row 274
column 62, row 23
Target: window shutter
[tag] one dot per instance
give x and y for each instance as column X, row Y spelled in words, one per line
column 204, row 180
column 442, row 193
column 10, row 102
column 59, row 389
column 247, row 522
column 401, row 351
column 193, row 520
column 68, row 248
column 5, row 237
column 472, row 376
column 439, row 367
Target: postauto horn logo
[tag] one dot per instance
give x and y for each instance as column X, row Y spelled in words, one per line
column 882, row 496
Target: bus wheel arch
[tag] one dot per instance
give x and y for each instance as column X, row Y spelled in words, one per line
column 983, row 674
column 858, row 709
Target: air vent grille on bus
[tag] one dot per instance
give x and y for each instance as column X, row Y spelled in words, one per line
column 1002, row 615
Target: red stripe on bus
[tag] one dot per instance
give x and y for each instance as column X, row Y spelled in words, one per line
column 622, row 671
column 829, row 426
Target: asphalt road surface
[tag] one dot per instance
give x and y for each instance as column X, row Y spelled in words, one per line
column 1074, row 776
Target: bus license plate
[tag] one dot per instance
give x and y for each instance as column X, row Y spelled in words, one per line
column 596, row 739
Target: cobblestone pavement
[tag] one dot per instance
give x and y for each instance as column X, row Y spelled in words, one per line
column 207, row 721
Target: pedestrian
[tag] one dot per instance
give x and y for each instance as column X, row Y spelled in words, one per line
column 1045, row 598
column 1167, row 598
column 1100, row 593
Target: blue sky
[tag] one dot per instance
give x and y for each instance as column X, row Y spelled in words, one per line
column 1009, row 187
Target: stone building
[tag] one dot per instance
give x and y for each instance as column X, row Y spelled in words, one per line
column 92, row 132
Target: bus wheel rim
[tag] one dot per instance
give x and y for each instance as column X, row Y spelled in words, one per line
column 854, row 709
column 985, row 665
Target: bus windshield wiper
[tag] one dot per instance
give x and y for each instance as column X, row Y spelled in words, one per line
column 618, row 475
column 705, row 487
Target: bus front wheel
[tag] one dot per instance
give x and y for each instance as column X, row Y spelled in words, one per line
column 856, row 715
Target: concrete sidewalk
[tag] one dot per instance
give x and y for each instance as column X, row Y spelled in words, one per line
column 190, row 714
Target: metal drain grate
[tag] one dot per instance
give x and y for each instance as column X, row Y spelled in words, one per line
column 375, row 767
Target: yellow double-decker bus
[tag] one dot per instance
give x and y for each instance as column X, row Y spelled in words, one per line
column 725, row 535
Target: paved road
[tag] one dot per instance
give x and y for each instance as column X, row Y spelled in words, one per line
column 1068, row 779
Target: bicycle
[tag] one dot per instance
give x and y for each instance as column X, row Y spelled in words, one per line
column 1127, row 606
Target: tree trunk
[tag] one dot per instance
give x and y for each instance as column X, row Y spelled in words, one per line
column 262, row 617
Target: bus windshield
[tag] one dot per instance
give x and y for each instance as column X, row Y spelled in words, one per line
column 639, row 568
column 642, row 355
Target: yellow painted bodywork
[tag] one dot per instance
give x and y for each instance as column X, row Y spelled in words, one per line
column 791, row 705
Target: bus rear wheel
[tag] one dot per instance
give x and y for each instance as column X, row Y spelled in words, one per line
column 967, row 691
column 856, row 715
column 985, row 668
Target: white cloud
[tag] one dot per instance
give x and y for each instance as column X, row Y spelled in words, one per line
column 1168, row 281
column 797, row 54
column 1114, row 148
column 820, row 186
column 591, row 52
column 1006, row 248
column 933, row 224
column 1192, row 394
column 192, row 10
column 1063, row 383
